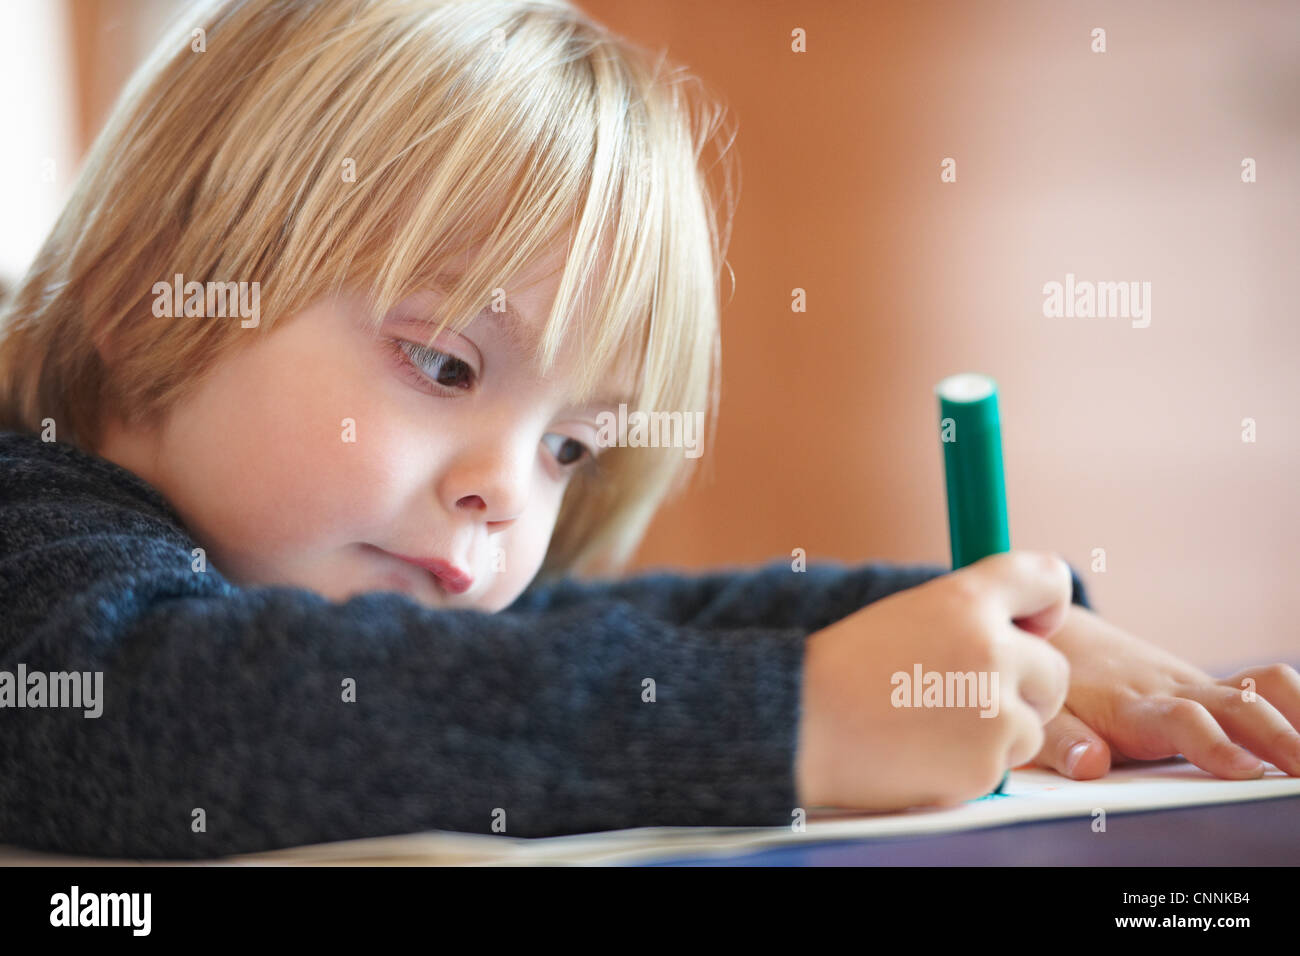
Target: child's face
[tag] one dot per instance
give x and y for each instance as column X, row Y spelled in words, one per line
column 261, row 464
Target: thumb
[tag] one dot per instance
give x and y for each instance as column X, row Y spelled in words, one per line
column 1072, row 748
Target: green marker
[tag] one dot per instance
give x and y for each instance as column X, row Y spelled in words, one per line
column 971, row 432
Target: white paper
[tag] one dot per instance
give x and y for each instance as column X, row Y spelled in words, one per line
column 1030, row 795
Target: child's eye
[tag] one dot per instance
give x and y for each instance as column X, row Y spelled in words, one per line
column 436, row 367
column 571, row 452
column 439, row 366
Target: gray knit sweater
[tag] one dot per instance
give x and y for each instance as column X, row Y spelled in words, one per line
column 225, row 723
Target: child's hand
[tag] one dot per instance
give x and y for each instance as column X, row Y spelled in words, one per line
column 1131, row 699
column 856, row 749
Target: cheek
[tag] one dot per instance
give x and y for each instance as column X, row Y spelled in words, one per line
column 525, row 547
column 523, row 555
column 287, row 452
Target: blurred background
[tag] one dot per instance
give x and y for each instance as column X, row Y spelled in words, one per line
column 1124, row 165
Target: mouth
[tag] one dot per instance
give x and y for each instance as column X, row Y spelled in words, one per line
column 450, row 577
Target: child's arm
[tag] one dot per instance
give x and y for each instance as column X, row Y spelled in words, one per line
column 770, row 595
column 232, row 701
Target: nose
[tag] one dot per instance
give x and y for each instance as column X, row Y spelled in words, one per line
column 490, row 484
column 474, row 504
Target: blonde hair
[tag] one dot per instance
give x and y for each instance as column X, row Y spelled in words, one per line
column 507, row 123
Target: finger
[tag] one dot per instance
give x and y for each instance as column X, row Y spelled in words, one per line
column 1032, row 588
column 1026, row 734
column 1254, row 723
column 1041, row 674
column 1165, row 726
column 1279, row 684
column 1073, row 749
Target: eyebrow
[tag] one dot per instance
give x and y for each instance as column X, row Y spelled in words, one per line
column 510, row 324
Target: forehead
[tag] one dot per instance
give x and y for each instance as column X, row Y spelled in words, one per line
column 517, row 319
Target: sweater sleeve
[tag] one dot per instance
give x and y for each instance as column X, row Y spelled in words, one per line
column 237, row 703
column 769, row 595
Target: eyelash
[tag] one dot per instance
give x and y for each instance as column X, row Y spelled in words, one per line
column 409, row 355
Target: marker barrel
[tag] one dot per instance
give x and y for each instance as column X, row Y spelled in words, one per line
column 971, row 434
column 977, row 495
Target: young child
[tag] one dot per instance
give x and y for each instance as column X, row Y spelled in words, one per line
column 291, row 554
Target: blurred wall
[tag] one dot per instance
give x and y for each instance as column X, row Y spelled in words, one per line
column 41, row 148
column 1115, row 166
column 111, row 38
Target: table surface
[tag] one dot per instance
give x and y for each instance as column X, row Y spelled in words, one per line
column 1249, row 833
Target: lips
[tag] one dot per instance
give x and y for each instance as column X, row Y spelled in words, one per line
column 454, row 579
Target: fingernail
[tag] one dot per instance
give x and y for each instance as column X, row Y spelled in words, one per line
column 1075, row 755
column 1246, row 761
